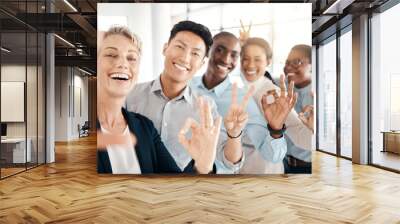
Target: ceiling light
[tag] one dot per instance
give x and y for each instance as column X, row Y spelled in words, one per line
column 338, row 6
column 84, row 71
column 5, row 50
column 70, row 5
column 64, row 40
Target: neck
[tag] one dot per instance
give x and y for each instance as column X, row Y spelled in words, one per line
column 303, row 84
column 170, row 88
column 109, row 111
column 210, row 81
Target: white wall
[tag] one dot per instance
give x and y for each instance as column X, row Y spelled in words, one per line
column 66, row 121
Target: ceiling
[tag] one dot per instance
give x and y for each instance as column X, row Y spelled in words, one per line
column 76, row 23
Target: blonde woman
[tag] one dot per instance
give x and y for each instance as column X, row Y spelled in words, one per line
column 118, row 152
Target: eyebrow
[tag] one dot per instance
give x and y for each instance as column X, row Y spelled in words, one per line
column 183, row 43
column 223, row 47
column 114, row 48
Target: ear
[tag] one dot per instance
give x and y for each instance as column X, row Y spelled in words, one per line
column 203, row 61
column 164, row 48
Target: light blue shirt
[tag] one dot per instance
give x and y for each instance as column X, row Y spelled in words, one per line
column 304, row 97
column 169, row 116
column 256, row 134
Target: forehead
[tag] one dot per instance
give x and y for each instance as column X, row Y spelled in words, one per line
column 253, row 49
column 190, row 39
column 296, row 54
column 228, row 42
column 118, row 42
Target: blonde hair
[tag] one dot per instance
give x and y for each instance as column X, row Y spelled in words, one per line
column 124, row 31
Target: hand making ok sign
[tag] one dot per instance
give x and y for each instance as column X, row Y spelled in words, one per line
column 276, row 112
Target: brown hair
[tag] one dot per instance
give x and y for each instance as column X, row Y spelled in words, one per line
column 258, row 42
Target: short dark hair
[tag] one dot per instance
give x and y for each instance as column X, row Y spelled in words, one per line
column 200, row 30
column 224, row 34
column 261, row 43
column 304, row 49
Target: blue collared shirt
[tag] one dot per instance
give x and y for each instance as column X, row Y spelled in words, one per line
column 256, row 134
column 169, row 116
column 304, row 97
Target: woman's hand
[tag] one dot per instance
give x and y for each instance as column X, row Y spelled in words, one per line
column 307, row 115
column 276, row 112
column 244, row 34
column 202, row 145
column 237, row 116
column 104, row 140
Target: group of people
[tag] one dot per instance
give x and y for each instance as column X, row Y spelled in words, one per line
column 178, row 123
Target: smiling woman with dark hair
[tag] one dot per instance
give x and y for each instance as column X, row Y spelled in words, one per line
column 118, row 130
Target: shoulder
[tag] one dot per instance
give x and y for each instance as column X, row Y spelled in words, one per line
column 132, row 117
column 141, row 88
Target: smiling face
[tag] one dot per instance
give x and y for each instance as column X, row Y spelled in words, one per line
column 184, row 55
column 298, row 68
column 117, row 63
column 253, row 62
column 224, row 55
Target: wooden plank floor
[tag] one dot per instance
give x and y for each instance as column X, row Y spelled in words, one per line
column 70, row 191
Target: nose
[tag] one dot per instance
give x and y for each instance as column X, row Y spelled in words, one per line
column 250, row 64
column 122, row 63
column 185, row 56
column 226, row 58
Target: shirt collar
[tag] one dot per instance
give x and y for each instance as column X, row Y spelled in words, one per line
column 185, row 95
column 218, row 90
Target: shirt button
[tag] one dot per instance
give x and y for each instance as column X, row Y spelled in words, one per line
column 165, row 124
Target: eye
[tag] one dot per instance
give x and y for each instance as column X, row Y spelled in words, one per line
column 179, row 46
column 132, row 58
column 111, row 55
column 196, row 54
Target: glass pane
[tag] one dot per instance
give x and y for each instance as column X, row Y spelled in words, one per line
column 13, row 86
column 212, row 20
column 31, row 97
column 385, row 86
column 346, row 94
column 41, row 98
column 327, row 97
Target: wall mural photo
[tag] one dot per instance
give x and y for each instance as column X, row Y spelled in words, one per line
column 204, row 88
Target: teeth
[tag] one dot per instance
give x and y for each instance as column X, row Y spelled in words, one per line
column 120, row 76
column 221, row 67
column 180, row 67
column 251, row 72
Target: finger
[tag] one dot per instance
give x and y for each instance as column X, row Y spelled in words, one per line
column 248, row 31
column 208, row 114
column 282, row 85
column 234, row 94
column 217, row 126
column 243, row 117
column 241, row 25
column 302, row 118
column 308, row 109
column 274, row 93
column 290, row 90
column 294, row 100
column 246, row 98
column 190, row 123
column 184, row 142
column 264, row 102
column 200, row 103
